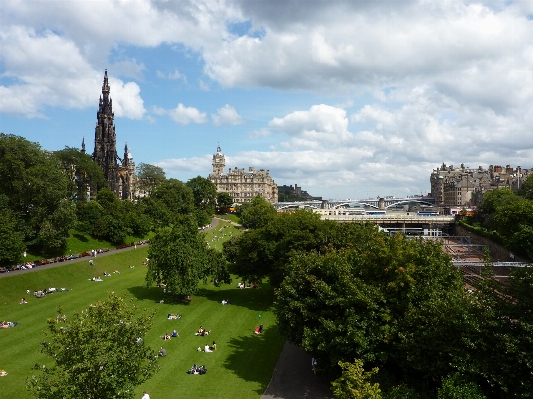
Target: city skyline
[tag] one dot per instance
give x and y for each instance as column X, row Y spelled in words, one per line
column 345, row 99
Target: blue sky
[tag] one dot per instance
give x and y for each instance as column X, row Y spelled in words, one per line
column 348, row 99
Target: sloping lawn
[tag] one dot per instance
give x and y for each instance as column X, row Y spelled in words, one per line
column 241, row 367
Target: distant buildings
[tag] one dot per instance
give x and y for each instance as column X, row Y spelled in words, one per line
column 120, row 176
column 290, row 193
column 242, row 186
column 464, row 187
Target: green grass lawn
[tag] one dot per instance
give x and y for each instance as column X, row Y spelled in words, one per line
column 230, row 216
column 221, row 233
column 241, row 367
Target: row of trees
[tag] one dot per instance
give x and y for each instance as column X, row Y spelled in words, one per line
column 509, row 215
column 44, row 195
column 398, row 306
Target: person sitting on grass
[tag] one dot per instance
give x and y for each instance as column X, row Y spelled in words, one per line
column 175, row 334
column 258, row 330
column 207, row 348
column 162, row 352
column 23, row 300
column 202, row 332
column 213, row 347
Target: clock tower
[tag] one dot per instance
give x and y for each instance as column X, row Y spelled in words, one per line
column 219, row 162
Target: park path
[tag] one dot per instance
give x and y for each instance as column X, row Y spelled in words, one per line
column 293, row 377
column 214, row 223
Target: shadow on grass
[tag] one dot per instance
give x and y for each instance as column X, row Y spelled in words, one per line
column 155, row 294
column 253, row 358
column 259, row 299
column 80, row 237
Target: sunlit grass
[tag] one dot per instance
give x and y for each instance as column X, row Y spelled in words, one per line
column 241, row 367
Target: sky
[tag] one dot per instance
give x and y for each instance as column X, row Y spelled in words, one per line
column 347, row 99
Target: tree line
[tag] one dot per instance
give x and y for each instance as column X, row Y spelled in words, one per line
column 44, row 195
column 507, row 217
column 389, row 317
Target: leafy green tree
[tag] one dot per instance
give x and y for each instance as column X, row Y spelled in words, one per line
column 176, row 197
column 388, row 301
column 257, row 213
column 265, row 252
column 178, row 257
column 83, row 172
column 456, row 386
column 111, row 228
column 527, row 187
column 149, row 177
column 204, row 193
column 355, row 382
column 224, row 201
column 108, row 200
column 88, row 213
column 12, row 240
column 98, row 353
column 203, row 218
column 35, row 188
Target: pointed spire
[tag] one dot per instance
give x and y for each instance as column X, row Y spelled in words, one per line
column 83, row 145
column 218, row 147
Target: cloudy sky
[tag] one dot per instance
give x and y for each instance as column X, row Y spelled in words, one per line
column 348, row 99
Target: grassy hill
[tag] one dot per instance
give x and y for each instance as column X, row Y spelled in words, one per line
column 241, row 367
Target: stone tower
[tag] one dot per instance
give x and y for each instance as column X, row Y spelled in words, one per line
column 120, row 173
column 219, row 162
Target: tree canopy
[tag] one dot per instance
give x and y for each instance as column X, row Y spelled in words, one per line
column 257, row 213
column 149, row 177
column 224, row 201
column 37, row 192
column 179, row 258
column 98, row 353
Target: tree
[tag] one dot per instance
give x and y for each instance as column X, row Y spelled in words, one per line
column 258, row 213
column 456, row 386
column 83, row 172
column 204, row 193
column 149, row 177
column 527, row 187
column 355, row 382
column 387, row 301
column 175, row 196
column 266, row 251
column 178, row 257
column 36, row 189
column 12, row 240
column 224, row 201
column 99, row 353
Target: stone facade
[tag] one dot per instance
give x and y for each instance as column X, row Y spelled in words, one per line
column 464, row 187
column 119, row 172
column 242, row 186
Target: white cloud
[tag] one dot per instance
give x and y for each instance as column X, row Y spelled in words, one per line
column 321, row 126
column 171, row 75
column 127, row 102
column 226, row 115
column 182, row 114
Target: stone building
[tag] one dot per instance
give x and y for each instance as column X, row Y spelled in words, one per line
column 119, row 172
column 242, row 186
column 464, row 187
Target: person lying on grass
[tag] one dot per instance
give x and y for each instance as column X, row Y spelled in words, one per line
column 258, row 330
column 197, row 370
column 172, row 316
column 165, row 337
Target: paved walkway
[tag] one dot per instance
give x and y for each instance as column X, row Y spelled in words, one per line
column 293, row 377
